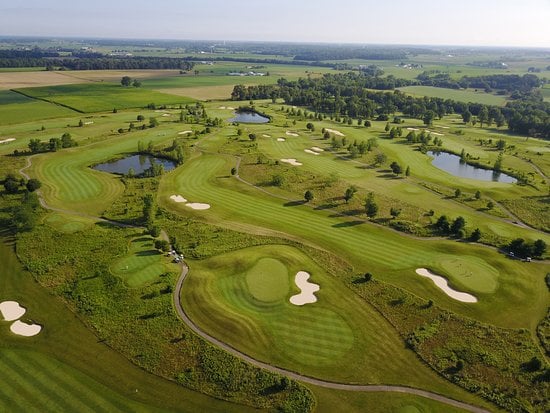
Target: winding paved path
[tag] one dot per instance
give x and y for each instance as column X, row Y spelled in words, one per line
column 306, row 379
column 296, row 376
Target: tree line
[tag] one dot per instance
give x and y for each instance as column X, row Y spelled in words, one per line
column 348, row 95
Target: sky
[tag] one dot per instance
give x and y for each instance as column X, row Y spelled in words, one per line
column 523, row 23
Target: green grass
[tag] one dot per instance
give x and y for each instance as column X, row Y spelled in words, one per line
column 143, row 263
column 67, row 223
column 267, row 280
column 102, row 97
column 17, row 108
column 458, row 95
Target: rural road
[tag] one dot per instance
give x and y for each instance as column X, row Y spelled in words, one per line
column 296, row 376
column 306, row 379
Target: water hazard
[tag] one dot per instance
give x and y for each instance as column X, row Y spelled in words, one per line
column 139, row 163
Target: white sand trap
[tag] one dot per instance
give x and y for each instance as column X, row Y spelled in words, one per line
column 7, row 140
column 291, row 133
column 281, row 139
column 230, row 108
column 292, row 161
column 178, row 198
column 442, row 283
column 437, row 134
column 317, row 149
column 414, row 129
column 307, row 289
column 23, row 329
column 442, row 127
column 266, row 136
column 91, row 122
column 166, row 114
column 197, row 205
column 222, row 107
column 311, row 152
column 11, row 310
column 185, row 132
column 336, row 132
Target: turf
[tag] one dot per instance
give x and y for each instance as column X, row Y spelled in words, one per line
column 143, row 264
column 267, row 280
column 101, row 97
column 17, row 108
column 67, row 223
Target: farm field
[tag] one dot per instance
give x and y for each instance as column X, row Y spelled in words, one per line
column 107, row 292
column 458, row 95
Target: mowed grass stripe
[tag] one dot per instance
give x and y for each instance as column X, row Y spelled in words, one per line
column 44, row 390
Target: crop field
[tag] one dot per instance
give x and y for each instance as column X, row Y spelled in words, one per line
column 459, row 95
column 101, row 97
column 114, row 335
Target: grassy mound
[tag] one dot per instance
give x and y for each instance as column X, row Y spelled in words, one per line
column 268, row 281
column 142, row 264
column 472, row 272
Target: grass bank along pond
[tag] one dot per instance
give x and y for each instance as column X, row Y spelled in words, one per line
column 455, row 165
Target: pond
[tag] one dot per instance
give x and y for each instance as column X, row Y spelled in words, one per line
column 140, row 163
column 454, row 165
column 249, row 117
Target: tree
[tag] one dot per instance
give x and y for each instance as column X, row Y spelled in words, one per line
column 467, row 116
column 25, row 215
column 252, row 136
column 371, row 208
column 125, row 81
column 35, row 145
column 490, row 205
column 442, row 224
column 498, row 163
column 149, row 209
column 380, row 158
column 80, row 123
column 394, row 212
column 367, row 276
column 458, row 192
column 12, row 184
column 136, row 83
column 33, row 184
column 308, row 196
column 140, row 118
column 239, row 132
column 396, row 168
column 458, row 225
column 539, row 248
column 477, row 194
column 153, row 122
column 476, row 235
column 349, row 194
column 483, row 115
column 326, row 135
column 233, row 171
column 277, row 180
column 387, row 127
column 162, row 245
column 428, row 118
column 310, row 126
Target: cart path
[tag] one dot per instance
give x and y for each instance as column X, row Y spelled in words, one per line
column 300, row 377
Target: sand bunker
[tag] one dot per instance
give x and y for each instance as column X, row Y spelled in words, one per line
column 7, row 140
column 292, row 161
column 11, row 310
column 414, row 129
column 442, row 283
column 91, row 122
column 291, row 133
column 281, row 139
column 266, row 136
column 317, row 149
column 178, row 198
column 434, row 133
column 185, row 132
column 166, row 114
column 197, row 205
column 222, row 107
column 336, row 132
column 307, row 289
column 230, row 108
column 311, row 152
column 23, row 329
column 442, row 127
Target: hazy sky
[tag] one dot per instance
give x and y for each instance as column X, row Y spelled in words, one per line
column 462, row 22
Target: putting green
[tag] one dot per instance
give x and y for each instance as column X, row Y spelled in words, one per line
column 471, row 272
column 267, row 281
column 142, row 264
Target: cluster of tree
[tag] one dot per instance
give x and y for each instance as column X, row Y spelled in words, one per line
column 25, row 215
column 354, row 148
column 505, row 82
column 174, row 152
column 455, row 228
column 53, row 145
column 348, row 95
column 523, row 249
column 127, row 81
column 149, row 210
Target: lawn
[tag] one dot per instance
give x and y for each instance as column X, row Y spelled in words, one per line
column 458, row 95
column 102, row 97
column 17, row 108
